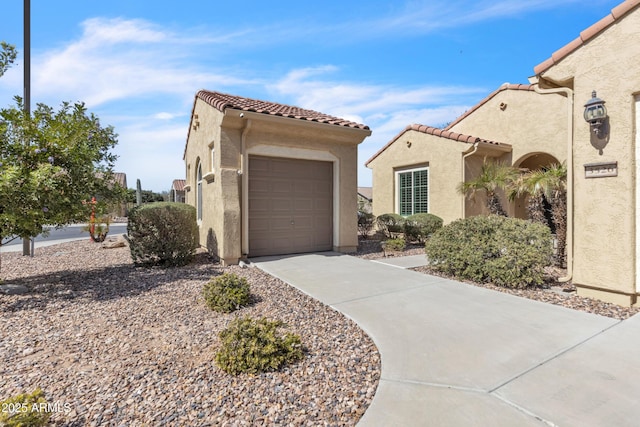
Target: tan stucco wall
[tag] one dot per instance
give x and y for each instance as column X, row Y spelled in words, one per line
column 220, row 195
column 235, row 138
column 442, row 156
column 316, row 141
column 531, row 123
column 528, row 121
column 604, row 214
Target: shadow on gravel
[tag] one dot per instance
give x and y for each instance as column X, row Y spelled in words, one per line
column 103, row 284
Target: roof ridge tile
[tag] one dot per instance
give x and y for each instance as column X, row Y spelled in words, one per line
column 222, row 101
column 587, row 34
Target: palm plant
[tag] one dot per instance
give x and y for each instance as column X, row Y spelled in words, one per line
column 526, row 185
column 548, row 183
column 493, row 176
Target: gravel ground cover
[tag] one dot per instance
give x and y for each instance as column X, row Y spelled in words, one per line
column 118, row 345
column 553, row 292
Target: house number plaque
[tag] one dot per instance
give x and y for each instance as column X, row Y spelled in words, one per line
column 600, row 170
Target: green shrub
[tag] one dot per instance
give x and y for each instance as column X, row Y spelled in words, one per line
column 252, row 346
column 507, row 252
column 397, row 244
column 226, row 293
column 421, row 226
column 163, row 233
column 25, row 410
column 366, row 221
column 391, row 224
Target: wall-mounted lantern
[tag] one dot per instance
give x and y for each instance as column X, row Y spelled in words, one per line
column 595, row 113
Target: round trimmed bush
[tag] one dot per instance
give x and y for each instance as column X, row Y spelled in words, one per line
column 252, row 346
column 226, row 293
column 504, row 251
column 163, row 233
column 391, row 224
column 397, row 244
column 421, row 226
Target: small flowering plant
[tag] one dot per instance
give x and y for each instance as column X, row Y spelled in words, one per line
column 98, row 228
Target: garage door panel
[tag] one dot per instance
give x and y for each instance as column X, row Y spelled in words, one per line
column 260, row 205
column 280, row 186
column 303, row 223
column 303, row 205
column 259, row 186
column 286, row 190
column 281, row 205
column 303, row 187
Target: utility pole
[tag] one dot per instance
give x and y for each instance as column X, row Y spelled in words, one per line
column 26, row 241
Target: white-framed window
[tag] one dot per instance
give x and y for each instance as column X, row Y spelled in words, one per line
column 199, row 192
column 412, row 191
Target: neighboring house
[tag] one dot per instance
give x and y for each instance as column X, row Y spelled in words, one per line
column 269, row 178
column 120, row 210
column 530, row 126
column 365, row 199
column 177, row 193
column 418, row 171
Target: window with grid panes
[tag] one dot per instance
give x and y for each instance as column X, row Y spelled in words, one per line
column 413, row 191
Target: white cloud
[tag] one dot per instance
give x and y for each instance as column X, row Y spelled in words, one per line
column 152, row 152
column 165, row 116
column 427, row 16
column 386, row 109
column 119, row 59
column 309, row 89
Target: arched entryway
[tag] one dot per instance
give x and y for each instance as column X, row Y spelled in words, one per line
column 529, row 162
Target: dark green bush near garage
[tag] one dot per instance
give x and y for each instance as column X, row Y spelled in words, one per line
column 392, row 225
column 507, row 252
column 420, row 226
column 163, row 233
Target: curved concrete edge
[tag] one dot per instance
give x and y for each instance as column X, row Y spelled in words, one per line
column 456, row 354
column 415, row 404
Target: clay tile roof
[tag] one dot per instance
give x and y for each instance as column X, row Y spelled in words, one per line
column 616, row 13
column 442, row 133
column 366, row 192
column 505, row 86
column 222, row 101
column 178, row 184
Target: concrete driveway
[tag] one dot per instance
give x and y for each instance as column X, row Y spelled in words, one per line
column 459, row 355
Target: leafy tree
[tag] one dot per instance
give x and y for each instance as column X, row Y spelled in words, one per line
column 8, row 55
column 51, row 164
column 493, row 176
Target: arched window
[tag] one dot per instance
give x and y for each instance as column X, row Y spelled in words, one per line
column 199, row 192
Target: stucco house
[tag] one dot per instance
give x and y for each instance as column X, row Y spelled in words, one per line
column 365, row 199
column 177, row 194
column 533, row 125
column 269, row 178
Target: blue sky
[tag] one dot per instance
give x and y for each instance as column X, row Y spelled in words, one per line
column 387, row 64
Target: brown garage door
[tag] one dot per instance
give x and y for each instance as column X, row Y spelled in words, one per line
column 290, row 206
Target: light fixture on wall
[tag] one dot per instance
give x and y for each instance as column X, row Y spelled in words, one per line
column 595, row 113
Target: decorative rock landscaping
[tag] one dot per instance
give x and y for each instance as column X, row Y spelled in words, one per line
column 114, row 344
